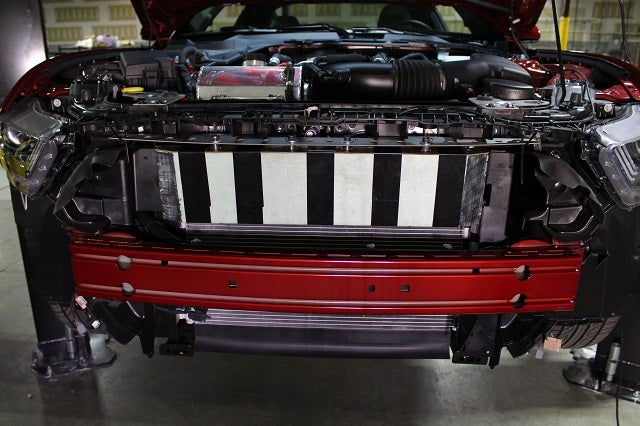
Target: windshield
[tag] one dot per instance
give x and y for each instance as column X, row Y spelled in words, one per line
column 351, row 17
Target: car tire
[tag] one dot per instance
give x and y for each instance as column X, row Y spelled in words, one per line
column 576, row 336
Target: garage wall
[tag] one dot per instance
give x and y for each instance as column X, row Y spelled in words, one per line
column 68, row 21
column 595, row 27
column 595, row 24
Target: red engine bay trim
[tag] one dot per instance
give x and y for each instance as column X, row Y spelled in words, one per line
column 435, row 284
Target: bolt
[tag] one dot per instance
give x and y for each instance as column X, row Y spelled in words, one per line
column 522, row 272
column 124, row 262
column 127, row 289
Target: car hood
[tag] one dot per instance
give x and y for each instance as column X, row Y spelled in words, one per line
column 160, row 18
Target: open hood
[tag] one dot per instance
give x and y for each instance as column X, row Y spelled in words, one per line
column 160, row 18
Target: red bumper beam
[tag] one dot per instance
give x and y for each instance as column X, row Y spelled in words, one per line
column 544, row 278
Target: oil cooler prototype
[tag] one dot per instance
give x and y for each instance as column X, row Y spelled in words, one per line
column 249, row 82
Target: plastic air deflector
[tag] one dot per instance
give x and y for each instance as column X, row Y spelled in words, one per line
column 323, row 342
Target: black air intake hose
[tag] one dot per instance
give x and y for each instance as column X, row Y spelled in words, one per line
column 417, row 79
column 411, row 80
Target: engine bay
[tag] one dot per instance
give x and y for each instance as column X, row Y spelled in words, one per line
column 517, row 145
column 410, row 98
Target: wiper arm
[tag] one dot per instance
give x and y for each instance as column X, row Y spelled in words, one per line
column 443, row 35
column 387, row 30
column 317, row 27
column 246, row 29
column 369, row 30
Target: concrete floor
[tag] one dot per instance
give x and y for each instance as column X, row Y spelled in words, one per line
column 217, row 389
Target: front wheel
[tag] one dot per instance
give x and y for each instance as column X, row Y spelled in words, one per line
column 576, row 336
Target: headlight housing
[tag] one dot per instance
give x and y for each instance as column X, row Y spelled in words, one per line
column 619, row 156
column 30, row 144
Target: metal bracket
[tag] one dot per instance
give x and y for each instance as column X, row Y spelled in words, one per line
column 476, row 341
column 183, row 344
column 582, row 374
column 75, row 352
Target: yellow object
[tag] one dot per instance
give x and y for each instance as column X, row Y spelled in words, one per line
column 11, row 163
column 564, row 32
column 134, row 89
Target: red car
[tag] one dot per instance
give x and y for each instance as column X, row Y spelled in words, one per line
column 331, row 179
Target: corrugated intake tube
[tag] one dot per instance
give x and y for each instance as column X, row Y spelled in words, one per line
column 411, row 79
